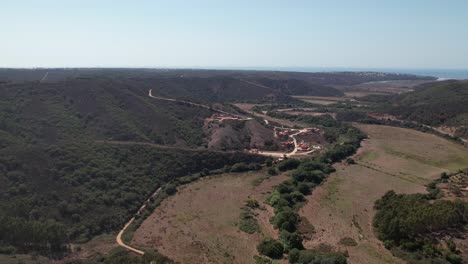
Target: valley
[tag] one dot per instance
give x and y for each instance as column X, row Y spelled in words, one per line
column 202, row 166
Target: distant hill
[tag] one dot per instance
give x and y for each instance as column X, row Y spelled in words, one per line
column 95, row 108
column 293, row 86
column 340, row 78
column 436, row 104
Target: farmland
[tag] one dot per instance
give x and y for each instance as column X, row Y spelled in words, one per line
column 391, row 159
column 199, row 224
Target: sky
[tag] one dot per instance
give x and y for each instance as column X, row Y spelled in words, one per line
column 237, row 33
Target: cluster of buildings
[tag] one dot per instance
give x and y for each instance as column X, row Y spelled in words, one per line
column 303, row 146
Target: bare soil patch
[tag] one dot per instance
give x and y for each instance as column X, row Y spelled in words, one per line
column 391, row 159
column 199, row 223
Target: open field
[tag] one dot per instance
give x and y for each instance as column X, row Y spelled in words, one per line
column 391, row 159
column 319, row 99
column 248, row 108
column 357, row 94
column 199, row 223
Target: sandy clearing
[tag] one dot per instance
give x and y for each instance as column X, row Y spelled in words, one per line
column 199, row 223
column 392, row 159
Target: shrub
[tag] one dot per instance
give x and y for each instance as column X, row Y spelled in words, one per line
column 248, row 223
column 170, row 189
column 348, row 241
column 240, row 167
column 286, row 220
column 303, row 188
column 454, row 258
column 252, row 203
column 262, row 260
column 310, row 256
column 291, row 240
column 271, row 248
column 272, row 171
column 288, row 164
column 293, row 255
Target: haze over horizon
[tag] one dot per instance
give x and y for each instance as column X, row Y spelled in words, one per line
column 209, row 34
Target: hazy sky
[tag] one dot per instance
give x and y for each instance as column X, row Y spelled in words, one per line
column 235, row 33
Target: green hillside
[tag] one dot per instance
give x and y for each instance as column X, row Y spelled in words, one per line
column 94, row 109
column 59, row 179
column 436, row 104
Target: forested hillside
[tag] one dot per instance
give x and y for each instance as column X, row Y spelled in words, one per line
column 59, row 179
column 96, row 108
column 298, row 87
column 436, row 104
column 81, row 190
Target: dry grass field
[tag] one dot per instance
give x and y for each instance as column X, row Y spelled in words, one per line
column 391, row 159
column 321, row 100
column 199, row 223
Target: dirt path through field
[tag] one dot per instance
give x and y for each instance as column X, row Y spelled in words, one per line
column 118, row 239
column 199, row 223
column 391, row 159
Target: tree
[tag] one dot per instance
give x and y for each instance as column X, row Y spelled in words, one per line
column 271, row 248
column 291, row 240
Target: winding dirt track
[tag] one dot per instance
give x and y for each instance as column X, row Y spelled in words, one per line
column 273, row 154
column 118, row 239
column 197, row 105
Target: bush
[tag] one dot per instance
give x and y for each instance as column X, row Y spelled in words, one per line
column 262, row 260
column 255, row 166
column 170, row 189
column 288, row 164
column 291, row 240
column 286, row 220
column 454, row 258
column 248, row 223
column 303, row 188
column 293, row 255
column 272, row 171
column 310, row 256
column 252, row 203
column 240, row 167
column 348, row 241
column 271, row 248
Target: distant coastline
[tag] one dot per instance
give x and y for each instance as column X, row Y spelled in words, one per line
column 442, row 74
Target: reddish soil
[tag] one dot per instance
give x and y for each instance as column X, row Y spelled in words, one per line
column 199, row 223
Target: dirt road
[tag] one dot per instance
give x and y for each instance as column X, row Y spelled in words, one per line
column 118, row 239
column 285, row 154
column 197, row 105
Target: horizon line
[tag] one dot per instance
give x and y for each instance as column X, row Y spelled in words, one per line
column 247, row 68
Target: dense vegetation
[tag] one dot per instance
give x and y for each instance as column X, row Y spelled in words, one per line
column 297, row 87
column 90, row 188
column 409, row 222
column 432, row 104
column 61, row 182
column 94, row 109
